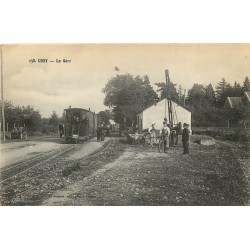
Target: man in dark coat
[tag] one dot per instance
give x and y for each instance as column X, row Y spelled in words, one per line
column 101, row 132
column 178, row 133
column 185, row 138
column 98, row 133
column 61, row 130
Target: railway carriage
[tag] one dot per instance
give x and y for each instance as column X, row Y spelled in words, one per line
column 80, row 124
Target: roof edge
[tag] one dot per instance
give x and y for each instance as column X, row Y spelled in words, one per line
column 162, row 100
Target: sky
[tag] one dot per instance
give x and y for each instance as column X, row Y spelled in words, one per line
column 54, row 86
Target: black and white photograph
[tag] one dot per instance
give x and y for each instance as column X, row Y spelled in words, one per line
column 123, row 124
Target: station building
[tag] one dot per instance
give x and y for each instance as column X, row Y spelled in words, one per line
column 156, row 113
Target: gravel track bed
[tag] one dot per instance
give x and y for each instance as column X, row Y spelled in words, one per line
column 209, row 176
column 39, row 183
column 15, row 169
column 123, row 174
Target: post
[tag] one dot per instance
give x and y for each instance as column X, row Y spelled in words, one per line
column 180, row 93
column 184, row 98
column 3, row 118
column 168, row 97
column 165, row 107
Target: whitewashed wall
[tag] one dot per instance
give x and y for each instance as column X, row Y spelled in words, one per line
column 156, row 113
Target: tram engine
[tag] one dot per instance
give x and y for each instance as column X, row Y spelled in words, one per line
column 80, row 125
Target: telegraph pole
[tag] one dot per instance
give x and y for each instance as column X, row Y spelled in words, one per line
column 170, row 115
column 184, row 98
column 166, row 100
column 3, row 118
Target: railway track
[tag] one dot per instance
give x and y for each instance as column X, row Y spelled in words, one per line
column 35, row 176
column 13, row 170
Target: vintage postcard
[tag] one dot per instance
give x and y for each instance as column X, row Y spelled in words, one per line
column 125, row 124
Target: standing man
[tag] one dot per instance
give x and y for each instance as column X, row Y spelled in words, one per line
column 178, row 132
column 151, row 130
column 98, row 133
column 61, row 130
column 165, row 121
column 165, row 136
column 185, row 138
column 102, row 132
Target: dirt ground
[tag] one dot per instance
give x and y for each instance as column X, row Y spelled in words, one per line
column 23, row 150
column 116, row 173
column 210, row 175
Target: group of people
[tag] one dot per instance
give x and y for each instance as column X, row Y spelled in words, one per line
column 101, row 132
column 171, row 136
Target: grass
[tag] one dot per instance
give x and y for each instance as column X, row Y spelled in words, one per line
column 70, row 169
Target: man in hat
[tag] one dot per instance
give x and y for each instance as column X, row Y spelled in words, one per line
column 185, row 138
column 102, row 131
column 151, row 130
column 178, row 132
column 165, row 136
column 61, row 130
column 165, row 121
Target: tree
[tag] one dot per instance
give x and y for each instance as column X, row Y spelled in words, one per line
column 197, row 96
column 201, row 101
column 129, row 96
column 237, row 90
column 223, row 90
column 54, row 119
column 221, row 87
column 150, row 95
column 118, row 115
column 210, row 94
column 172, row 92
column 105, row 116
column 246, row 84
column 22, row 116
column 31, row 118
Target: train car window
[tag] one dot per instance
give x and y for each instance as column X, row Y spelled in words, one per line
column 76, row 118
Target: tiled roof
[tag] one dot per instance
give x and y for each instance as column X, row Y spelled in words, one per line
column 247, row 93
column 235, row 102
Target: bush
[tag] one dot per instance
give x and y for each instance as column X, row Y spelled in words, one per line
column 234, row 134
column 48, row 129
